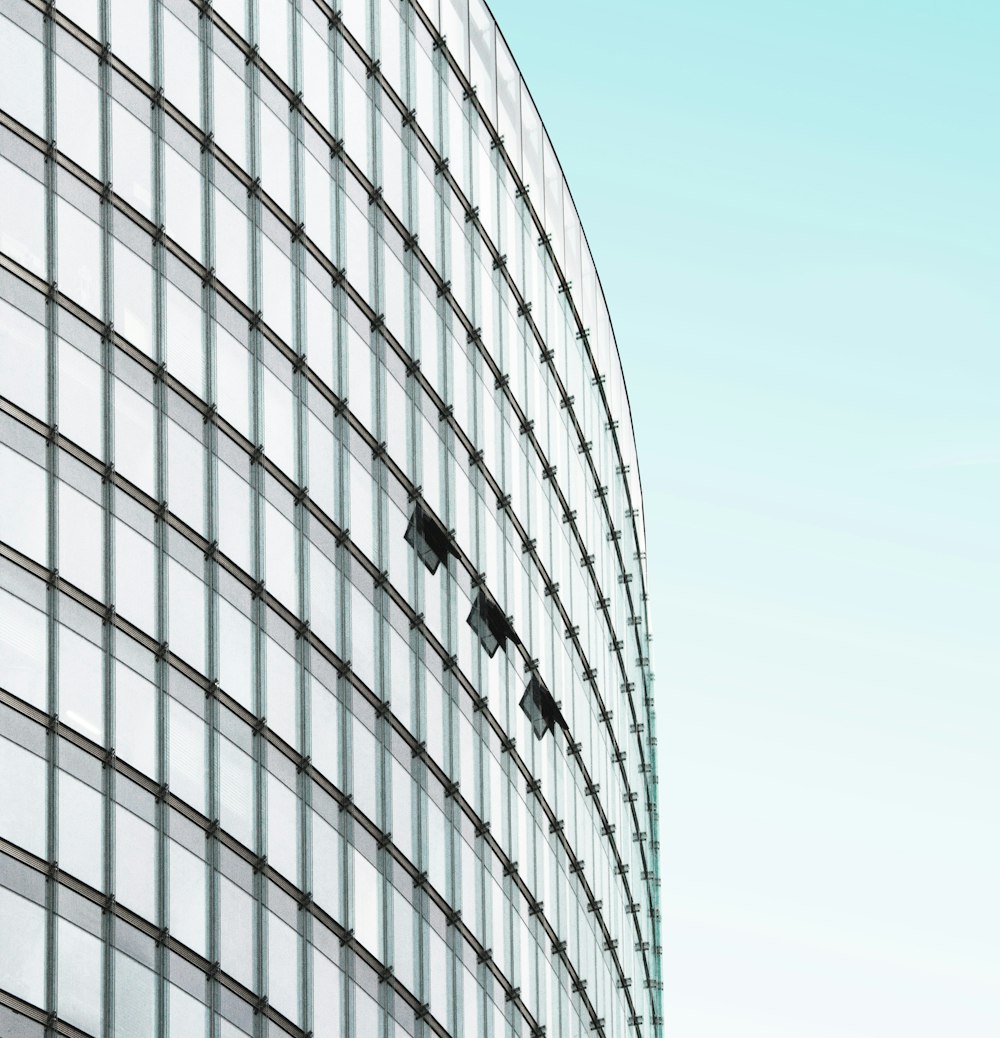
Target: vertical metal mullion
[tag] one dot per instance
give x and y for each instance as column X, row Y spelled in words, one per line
column 52, row 452
column 210, row 446
column 108, row 349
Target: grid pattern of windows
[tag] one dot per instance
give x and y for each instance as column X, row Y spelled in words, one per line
column 325, row 701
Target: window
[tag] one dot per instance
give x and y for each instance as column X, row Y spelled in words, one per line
column 22, row 217
column 185, row 476
column 79, row 973
column 430, row 540
column 23, row 511
column 80, row 399
column 541, row 709
column 81, row 541
column 135, row 998
column 182, row 187
column 81, row 684
column 23, row 651
column 188, row 897
column 22, row 82
column 131, row 34
column 134, row 440
column 488, row 621
column 237, row 944
column 135, row 863
column 22, row 947
column 22, row 804
column 23, row 361
column 81, row 830
column 135, row 584
column 133, row 298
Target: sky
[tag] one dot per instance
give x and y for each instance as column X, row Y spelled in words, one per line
column 794, row 206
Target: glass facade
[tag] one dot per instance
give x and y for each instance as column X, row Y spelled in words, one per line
column 325, row 699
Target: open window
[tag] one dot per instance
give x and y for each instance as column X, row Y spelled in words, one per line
column 541, row 709
column 428, row 538
column 488, row 621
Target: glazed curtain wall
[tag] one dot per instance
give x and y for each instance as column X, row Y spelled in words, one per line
column 260, row 296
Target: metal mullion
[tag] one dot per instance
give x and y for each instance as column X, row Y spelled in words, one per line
column 52, row 594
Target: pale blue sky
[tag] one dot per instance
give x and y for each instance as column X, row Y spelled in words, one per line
column 795, row 211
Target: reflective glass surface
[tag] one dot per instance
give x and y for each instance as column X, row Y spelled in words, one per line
column 325, row 690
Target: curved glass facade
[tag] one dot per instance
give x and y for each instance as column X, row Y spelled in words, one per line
column 325, row 701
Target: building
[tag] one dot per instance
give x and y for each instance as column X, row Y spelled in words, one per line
column 326, row 705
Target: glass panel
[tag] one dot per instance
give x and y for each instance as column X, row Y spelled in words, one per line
column 23, row 512
column 279, row 423
column 321, row 337
column 135, row 586
column 327, row 998
column 182, row 72
column 274, row 35
column 81, row 541
column 234, row 12
column 275, row 158
column 182, row 187
column 184, row 354
column 281, row 692
column 135, row 719
column 236, row 653
column 327, row 867
column 237, row 943
column 323, row 591
column 84, row 13
column 231, row 245
column 80, row 396
column 78, row 117
column 134, row 440
column 283, row 961
column 22, row 217
column 132, row 157
column 280, row 557
column 233, row 381
column 79, row 257
column 187, row 615
column 81, row 684
column 81, row 830
column 234, row 516
column 22, row 807
column 188, row 897
column 236, row 771
column 316, row 74
column 22, row 76
column 22, row 947
column 135, row 863
column 79, row 973
column 188, row 1016
column 135, row 998
column 187, row 755
column 282, row 830
column 131, row 34
column 133, row 309
column 229, row 95
column 277, row 288
column 325, row 717
column 186, row 481
column 367, row 903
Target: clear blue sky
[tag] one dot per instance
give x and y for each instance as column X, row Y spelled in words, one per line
column 795, row 209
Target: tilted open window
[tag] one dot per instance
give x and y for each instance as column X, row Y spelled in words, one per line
column 541, row 709
column 428, row 538
column 488, row 621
